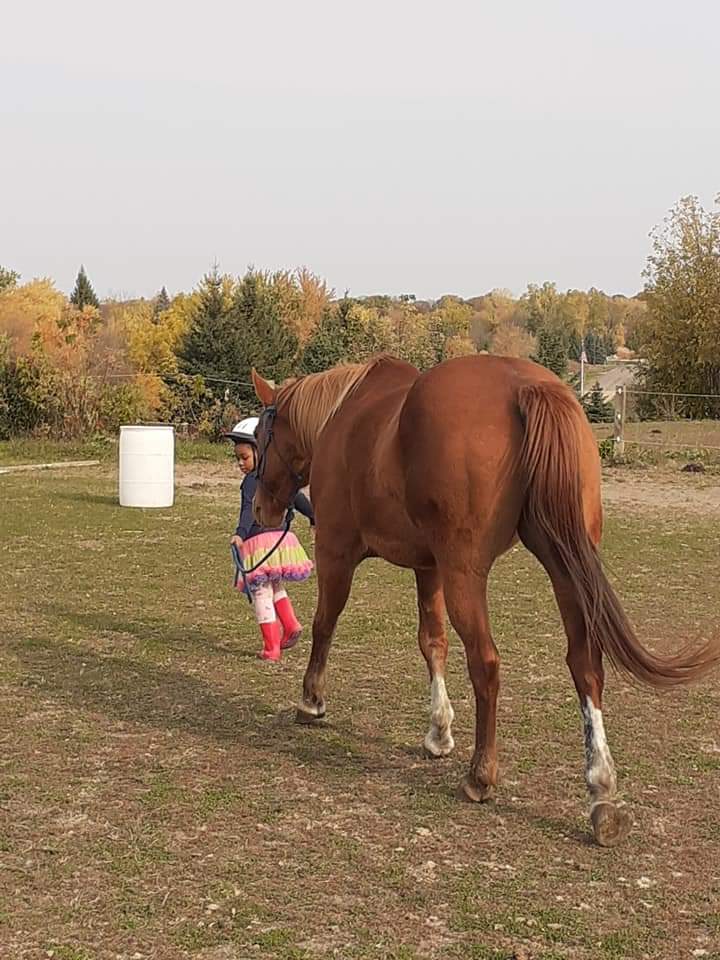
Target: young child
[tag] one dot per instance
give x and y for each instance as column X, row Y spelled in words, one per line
column 279, row 626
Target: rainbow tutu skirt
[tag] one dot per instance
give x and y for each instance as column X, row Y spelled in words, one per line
column 288, row 562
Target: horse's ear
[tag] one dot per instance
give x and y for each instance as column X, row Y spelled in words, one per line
column 264, row 390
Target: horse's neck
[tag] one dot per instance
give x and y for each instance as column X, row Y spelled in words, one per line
column 373, row 405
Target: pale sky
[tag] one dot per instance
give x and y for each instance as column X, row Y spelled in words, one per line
column 399, row 146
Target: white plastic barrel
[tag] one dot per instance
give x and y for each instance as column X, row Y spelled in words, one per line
column 147, row 466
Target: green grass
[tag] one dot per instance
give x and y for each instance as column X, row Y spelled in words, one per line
column 51, row 451
column 105, row 449
column 157, row 797
column 69, row 953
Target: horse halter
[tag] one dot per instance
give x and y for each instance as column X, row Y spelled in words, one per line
column 267, row 421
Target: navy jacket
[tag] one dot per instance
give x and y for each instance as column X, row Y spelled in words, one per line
column 247, row 527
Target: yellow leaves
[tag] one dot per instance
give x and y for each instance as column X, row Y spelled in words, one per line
column 152, row 340
column 303, row 298
column 512, row 340
column 459, row 346
column 314, row 296
column 152, row 390
column 453, row 317
column 25, row 309
column 72, row 331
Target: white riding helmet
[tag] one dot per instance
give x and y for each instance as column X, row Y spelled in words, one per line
column 244, row 431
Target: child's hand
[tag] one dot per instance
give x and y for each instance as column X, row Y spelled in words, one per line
column 236, row 541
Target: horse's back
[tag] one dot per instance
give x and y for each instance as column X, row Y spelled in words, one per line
column 461, row 435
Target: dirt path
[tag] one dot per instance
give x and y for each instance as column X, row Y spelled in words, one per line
column 636, row 491
column 687, row 493
column 209, row 475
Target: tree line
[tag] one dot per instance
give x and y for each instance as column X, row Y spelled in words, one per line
column 77, row 366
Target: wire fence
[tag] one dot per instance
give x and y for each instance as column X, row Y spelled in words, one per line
column 666, row 421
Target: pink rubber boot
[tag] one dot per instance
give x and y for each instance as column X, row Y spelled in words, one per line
column 291, row 624
column 271, row 641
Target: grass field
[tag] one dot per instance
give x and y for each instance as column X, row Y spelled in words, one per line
column 157, row 800
column 105, row 449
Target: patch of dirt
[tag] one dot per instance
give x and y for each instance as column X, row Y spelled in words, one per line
column 637, row 492
column 90, row 544
column 206, row 475
column 686, row 493
column 222, row 952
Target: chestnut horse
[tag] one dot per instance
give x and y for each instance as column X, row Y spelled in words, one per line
column 442, row 472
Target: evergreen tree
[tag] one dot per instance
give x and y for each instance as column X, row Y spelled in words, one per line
column 575, row 345
column 596, row 407
column 236, row 328
column 162, row 303
column 262, row 337
column 334, row 340
column 210, row 345
column 609, row 345
column 83, row 295
column 595, row 348
column 326, row 347
column 8, row 279
column 552, row 351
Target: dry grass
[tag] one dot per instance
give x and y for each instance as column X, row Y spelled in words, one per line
column 157, row 801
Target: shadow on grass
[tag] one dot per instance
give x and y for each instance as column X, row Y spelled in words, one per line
column 100, row 499
column 152, row 695
column 154, row 631
column 138, row 691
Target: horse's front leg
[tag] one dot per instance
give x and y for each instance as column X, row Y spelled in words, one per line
column 335, row 574
column 434, row 646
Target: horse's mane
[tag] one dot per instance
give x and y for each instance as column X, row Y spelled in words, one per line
column 311, row 401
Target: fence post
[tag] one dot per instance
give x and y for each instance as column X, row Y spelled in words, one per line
column 620, row 411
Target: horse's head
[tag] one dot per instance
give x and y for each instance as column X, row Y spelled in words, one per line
column 282, row 466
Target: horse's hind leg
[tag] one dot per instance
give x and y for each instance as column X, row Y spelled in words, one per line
column 434, row 646
column 466, row 598
column 610, row 823
column 335, row 576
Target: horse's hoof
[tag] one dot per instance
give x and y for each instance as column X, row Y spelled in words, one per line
column 305, row 716
column 471, row 791
column 436, row 749
column 610, row 824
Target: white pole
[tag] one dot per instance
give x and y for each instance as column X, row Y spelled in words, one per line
column 582, row 368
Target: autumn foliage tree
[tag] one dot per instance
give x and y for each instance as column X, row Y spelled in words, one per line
column 74, row 366
column 680, row 336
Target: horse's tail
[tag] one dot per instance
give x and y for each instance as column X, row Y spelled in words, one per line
column 553, row 517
